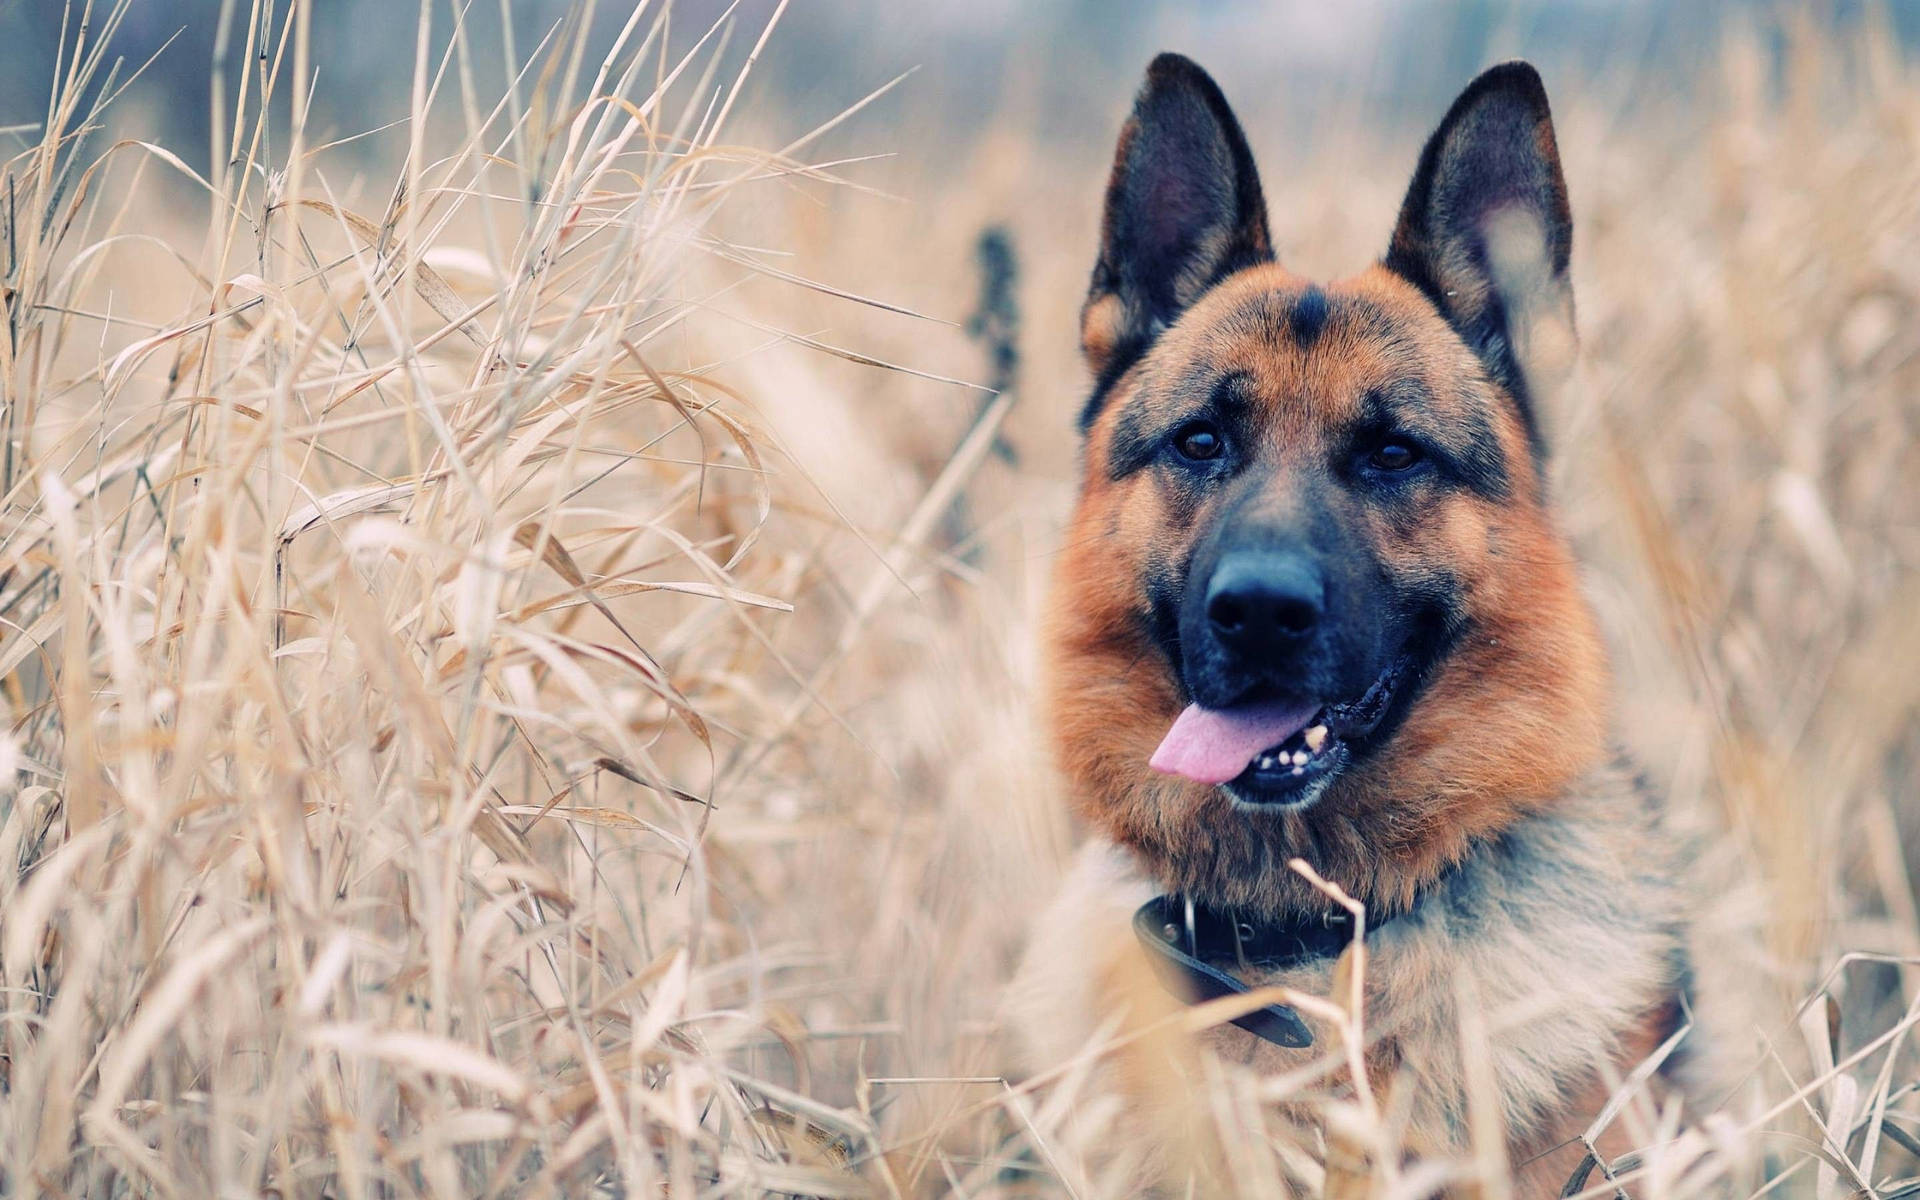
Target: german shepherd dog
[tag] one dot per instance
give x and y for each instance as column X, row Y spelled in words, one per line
column 1313, row 604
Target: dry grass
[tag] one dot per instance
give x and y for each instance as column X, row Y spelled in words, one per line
column 495, row 706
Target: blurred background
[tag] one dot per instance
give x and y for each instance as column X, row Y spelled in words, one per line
column 1057, row 64
column 1735, row 459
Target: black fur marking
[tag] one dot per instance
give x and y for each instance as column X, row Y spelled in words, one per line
column 1140, row 434
column 1133, row 445
column 1489, row 339
column 1437, row 627
column 1467, row 451
column 1309, row 316
column 1493, row 150
column 1163, row 618
column 1230, row 401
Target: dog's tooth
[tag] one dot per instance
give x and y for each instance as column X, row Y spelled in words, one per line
column 1299, row 770
column 1300, row 758
column 1266, row 762
column 1316, row 738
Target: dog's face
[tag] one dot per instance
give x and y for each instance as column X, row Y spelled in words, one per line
column 1312, row 602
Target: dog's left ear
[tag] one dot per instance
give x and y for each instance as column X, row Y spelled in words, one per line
column 1486, row 230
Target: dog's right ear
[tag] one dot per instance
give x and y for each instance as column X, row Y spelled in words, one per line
column 1486, row 231
column 1183, row 211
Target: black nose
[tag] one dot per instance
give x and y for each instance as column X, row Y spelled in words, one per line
column 1262, row 601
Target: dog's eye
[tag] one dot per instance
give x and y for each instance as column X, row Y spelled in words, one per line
column 1198, row 441
column 1394, row 454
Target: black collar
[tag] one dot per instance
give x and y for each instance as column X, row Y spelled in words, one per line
column 1183, row 940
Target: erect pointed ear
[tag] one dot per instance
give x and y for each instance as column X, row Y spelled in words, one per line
column 1183, row 211
column 1486, row 230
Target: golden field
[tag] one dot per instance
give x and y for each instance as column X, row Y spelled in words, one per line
column 517, row 661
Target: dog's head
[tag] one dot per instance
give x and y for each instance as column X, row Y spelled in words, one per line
column 1312, row 601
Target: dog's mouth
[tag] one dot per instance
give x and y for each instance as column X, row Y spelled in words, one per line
column 1278, row 751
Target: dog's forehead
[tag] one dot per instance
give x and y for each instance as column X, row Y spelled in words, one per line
column 1300, row 350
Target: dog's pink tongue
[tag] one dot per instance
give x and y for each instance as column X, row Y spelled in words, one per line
column 1214, row 745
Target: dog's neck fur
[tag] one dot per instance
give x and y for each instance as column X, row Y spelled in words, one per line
column 1564, row 931
column 1561, row 933
column 1560, row 939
